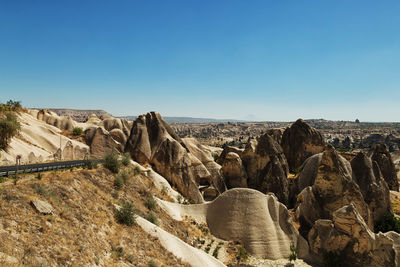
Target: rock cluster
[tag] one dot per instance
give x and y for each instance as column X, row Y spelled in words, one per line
column 152, row 141
column 261, row 166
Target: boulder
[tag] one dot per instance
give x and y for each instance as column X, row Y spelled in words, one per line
column 299, row 142
column 348, row 236
column 42, row 207
column 381, row 155
column 372, row 185
column 332, row 188
column 226, row 150
column 259, row 221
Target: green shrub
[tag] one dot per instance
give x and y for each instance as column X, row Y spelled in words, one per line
column 388, row 223
column 126, row 159
column 151, row 217
column 39, row 176
column 9, row 127
column 332, row 259
column 126, row 214
column 91, row 164
column 150, row 202
column 2, row 179
column 77, row 131
column 112, row 162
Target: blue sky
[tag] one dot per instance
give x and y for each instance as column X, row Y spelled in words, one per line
column 267, row 60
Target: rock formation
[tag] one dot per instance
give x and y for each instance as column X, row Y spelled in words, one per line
column 63, row 122
column 266, row 167
column 299, row 142
column 348, row 236
column 375, row 190
column 233, row 171
column 259, row 221
column 381, row 155
column 332, row 188
column 152, row 141
column 101, row 142
column 205, row 155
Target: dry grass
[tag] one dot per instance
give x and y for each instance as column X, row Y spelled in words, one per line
column 82, row 231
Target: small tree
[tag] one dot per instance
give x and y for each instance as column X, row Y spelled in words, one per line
column 9, row 127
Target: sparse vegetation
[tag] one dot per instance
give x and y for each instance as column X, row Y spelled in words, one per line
column 388, row 223
column 10, row 106
column 293, row 253
column 9, row 127
column 242, row 255
column 112, row 162
column 150, row 202
column 126, row 159
column 152, row 263
column 77, row 131
column 121, row 179
column 2, row 179
column 126, row 214
column 151, row 217
column 39, row 176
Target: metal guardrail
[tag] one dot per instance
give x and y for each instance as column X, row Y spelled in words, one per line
column 31, row 168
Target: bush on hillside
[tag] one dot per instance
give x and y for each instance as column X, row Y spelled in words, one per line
column 9, row 127
column 120, row 179
column 126, row 214
column 112, row 162
column 77, row 131
column 91, row 164
column 126, row 159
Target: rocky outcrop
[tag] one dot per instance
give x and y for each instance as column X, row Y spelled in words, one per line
column 205, row 155
column 61, row 122
column 152, row 141
column 259, row 221
column 111, row 123
column 233, row 171
column 101, row 142
column 375, row 191
column 276, row 134
column 332, row 187
column 347, row 235
column 299, row 142
column 266, row 167
column 381, row 155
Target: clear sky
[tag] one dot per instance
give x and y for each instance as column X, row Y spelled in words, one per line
column 265, row 60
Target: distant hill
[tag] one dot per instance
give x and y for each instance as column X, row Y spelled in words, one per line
column 188, row 119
